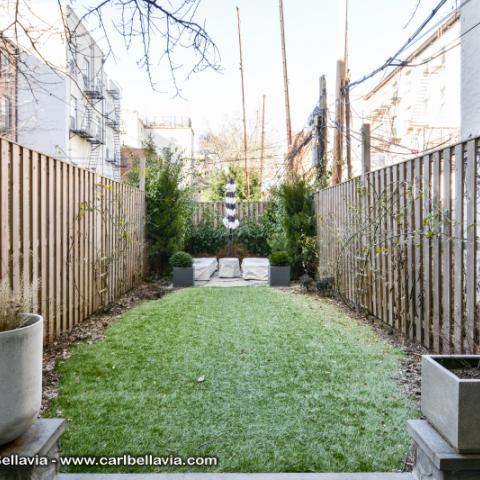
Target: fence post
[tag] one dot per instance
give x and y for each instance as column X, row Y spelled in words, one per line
column 366, row 162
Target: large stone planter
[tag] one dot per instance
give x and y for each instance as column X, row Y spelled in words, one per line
column 20, row 378
column 183, row 277
column 279, row 276
column 452, row 404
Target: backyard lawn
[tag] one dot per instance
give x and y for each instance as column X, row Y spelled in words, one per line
column 290, row 384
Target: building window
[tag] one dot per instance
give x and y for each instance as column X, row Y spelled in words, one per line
column 73, row 62
column 443, row 96
column 5, row 113
column 73, row 113
column 4, row 65
column 443, row 58
column 88, row 73
column 97, row 128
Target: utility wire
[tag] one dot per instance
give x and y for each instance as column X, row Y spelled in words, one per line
column 440, row 52
column 412, row 16
column 440, row 22
column 389, row 61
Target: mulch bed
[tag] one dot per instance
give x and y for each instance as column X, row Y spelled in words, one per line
column 90, row 330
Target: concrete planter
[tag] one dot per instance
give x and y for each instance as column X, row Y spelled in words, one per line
column 451, row 404
column 279, row 276
column 20, row 378
column 183, row 277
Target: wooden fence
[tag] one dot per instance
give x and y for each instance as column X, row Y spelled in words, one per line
column 402, row 244
column 215, row 211
column 75, row 236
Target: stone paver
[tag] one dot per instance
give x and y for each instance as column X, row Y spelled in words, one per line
column 216, row 281
column 242, row 476
column 42, row 440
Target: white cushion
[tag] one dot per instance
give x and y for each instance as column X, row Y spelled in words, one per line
column 229, row 268
column 255, row 268
column 204, row 268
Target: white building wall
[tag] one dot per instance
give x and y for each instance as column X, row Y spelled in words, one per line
column 41, row 109
column 418, row 108
column 52, row 98
column 470, row 97
column 180, row 139
column 166, row 132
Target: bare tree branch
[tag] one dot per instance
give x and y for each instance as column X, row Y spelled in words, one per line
column 160, row 29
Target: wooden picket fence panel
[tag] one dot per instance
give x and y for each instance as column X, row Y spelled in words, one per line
column 252, row 210
column 76, row 236
column 402, row 245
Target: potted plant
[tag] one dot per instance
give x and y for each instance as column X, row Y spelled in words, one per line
column 182, row 269
column 279, row 269
column 21, row 345
column 451, row 398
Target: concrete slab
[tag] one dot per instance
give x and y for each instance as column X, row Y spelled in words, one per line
column 216, row 281
column 241, row 476
column 442, row 455
column 41, row 440
column 38, row 440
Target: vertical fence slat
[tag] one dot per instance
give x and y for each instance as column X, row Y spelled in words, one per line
column 410, row 282
column 58, row 246
column 15, row 219
column 436, row 260
column 64, row 245
column 378, row 245
column 402, row 242
column 446, row 253
column 470, row 266
column 418, row 252
column 395, row 250
column 51, row 246
column 35, row 229
column 426, row 267
column 43, row 191
column 26, row 220
column 4, row 208
column 458, row 250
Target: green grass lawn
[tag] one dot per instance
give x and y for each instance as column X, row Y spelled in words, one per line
column 291, row 384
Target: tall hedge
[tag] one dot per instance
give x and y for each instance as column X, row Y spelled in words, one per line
column 167, row 209
column 297, row 224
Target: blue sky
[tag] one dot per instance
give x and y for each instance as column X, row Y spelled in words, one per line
column 313, row 39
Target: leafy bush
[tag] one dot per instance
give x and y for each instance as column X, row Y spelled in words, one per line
column 297, row 222
column 279, row 259
column 254, row 236
column 181, row 259
column 205, row 238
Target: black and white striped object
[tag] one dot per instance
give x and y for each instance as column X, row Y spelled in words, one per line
column 230, row 220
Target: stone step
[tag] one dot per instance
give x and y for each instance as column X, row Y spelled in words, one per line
column 238, row 476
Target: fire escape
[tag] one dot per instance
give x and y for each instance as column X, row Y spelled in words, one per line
column 113, row 121
column 91, row 125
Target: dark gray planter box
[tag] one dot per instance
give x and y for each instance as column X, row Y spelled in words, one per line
column 452, row 404
column 279, row 276
column 183, row 277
